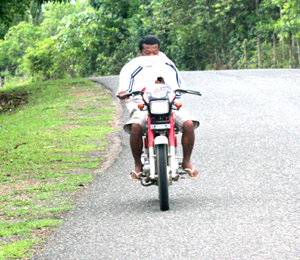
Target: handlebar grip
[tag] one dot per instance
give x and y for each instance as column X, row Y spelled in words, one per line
column 119, row 96
column 188, row 91
column 138, row 92
column 194, row 92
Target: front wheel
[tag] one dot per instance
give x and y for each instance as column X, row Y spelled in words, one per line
column 163, row 182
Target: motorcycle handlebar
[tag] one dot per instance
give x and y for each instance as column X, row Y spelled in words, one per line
column 183, row 91
column 134, row 93
column 188, row 91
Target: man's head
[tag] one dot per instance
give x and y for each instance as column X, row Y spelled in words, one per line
column 149, row 45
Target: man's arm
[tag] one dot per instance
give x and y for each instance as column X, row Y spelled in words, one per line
column 128, row 74
column 160, row 80
column 124, row 80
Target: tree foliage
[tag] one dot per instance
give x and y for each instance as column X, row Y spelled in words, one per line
column 97, row 37
column 16, row 42
column 14, row 11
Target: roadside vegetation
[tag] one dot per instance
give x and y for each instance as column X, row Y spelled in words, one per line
column 52, row 140
column 52, row 39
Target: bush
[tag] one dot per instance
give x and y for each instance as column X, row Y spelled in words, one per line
column 45, row 62
column 14, row 45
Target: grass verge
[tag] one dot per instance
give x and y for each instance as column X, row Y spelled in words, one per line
column 49, row 150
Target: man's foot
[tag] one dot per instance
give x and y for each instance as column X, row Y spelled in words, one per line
column 134, row 176
column 191, row 171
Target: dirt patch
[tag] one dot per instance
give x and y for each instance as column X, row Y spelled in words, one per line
column 11, row 101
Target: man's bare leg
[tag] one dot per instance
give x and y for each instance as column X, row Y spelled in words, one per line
column 187, row 141
column 136, row 144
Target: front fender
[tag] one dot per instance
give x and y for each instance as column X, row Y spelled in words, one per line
column 161, row 140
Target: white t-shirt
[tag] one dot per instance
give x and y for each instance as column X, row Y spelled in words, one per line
column 143, row 71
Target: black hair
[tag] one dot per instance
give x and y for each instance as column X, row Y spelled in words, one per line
column 148, row 39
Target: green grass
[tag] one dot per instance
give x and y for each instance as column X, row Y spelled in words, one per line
column 17, row 249
column 9, row 229
column 49, row 149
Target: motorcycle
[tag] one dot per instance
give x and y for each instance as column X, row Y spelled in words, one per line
column 160, row 165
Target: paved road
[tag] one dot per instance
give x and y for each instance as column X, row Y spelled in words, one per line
column 245, row 204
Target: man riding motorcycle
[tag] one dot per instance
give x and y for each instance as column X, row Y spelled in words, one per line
column 153, row 67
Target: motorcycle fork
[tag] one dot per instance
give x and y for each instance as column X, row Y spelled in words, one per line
column 150, row 145
column 172, row 144
column 172, row 150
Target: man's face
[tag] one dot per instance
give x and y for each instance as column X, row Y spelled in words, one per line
column 149, row 50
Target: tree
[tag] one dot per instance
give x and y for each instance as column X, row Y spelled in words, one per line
column 55, row 13
column 99, row 36
column 289, row 26
column 14, row 45
column 14, row 11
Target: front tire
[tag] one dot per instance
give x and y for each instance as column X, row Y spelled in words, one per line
column 163, row 182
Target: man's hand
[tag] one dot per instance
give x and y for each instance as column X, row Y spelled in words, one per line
column 160, row 80
column 122, row 93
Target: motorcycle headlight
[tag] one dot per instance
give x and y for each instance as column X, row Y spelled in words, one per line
column 159, row 107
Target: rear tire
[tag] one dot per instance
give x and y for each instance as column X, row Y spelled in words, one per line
column 163, row 182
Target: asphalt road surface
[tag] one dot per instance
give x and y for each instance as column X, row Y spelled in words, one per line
column 245, row 203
